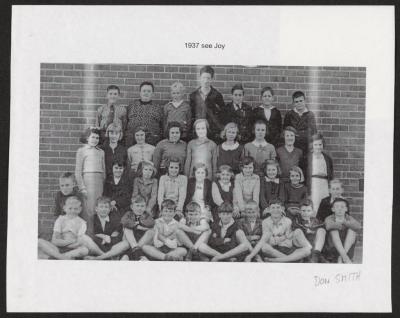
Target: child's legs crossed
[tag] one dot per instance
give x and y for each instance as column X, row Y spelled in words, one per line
column 319, row 239
column 49, row 248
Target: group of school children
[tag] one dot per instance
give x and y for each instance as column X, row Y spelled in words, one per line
column 228, row 183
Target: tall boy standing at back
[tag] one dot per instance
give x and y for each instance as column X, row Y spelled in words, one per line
column 206, row 102
column 302, row 119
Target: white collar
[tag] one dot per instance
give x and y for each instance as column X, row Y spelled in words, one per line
column 225, row 146
column 262, row 144
column 106, row 219
column 261, row 106
column 227, row 225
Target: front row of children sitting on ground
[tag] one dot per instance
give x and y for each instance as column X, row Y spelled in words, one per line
column 197, row 236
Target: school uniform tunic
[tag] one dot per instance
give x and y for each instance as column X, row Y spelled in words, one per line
column 270, row 189
column 288, row 159
column 231, row 156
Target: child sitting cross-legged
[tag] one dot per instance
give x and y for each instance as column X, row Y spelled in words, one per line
column 278, row 242
column 312, row 228
column 138, row 230
column 69, row 240
column 342, row 229
column 165, row 244
column 193, row 230
column 250, row 227
column 107, row 231
column 223, row 243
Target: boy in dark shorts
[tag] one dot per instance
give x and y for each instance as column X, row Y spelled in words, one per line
column 193, row 230
column 313, row 230
column 166, row 246
column 223, row 243
column 250, row 227
column 107, row 230
column 137, row 228
column 342, row 233
column 278, row 242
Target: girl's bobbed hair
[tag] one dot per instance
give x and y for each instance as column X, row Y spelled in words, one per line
column 85, row 135
column 270, row 162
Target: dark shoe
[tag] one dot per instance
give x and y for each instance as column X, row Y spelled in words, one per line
column 315, row 255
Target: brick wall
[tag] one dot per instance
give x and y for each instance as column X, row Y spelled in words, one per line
column 71, row 93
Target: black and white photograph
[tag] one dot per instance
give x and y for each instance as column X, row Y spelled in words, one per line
column 201, row 163
column 201, row 159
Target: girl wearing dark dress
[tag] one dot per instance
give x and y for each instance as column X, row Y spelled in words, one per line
column 222, row 189
column 294, row 192
column 230, row 152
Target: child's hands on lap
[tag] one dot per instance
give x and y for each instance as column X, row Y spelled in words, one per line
column 171, row 243
column 158, row 243
column 114, row 234
column 227, row 240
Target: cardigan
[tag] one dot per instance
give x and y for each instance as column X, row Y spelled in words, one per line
column 288, row 159
column 211, row 108
column 147, row 189
column 274, row 124
column 246, row 188
column 173, row 189
column 191, row 188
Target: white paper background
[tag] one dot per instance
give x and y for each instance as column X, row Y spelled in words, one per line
column 256, row 35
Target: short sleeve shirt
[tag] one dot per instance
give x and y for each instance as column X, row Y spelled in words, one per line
column 65, row 224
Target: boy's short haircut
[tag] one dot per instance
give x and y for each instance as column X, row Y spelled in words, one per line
column 237, row 87
column 342, row 200
column 269, row 162
column 173, row 159
column 307, row 202
column 336, row 181
column 119, row 162
column 85, row 134
column 138, row 199
column 193, row 207
column 68, row 175
column 104, row 200
column 110, row 87
column 246, row 161
column 143, row 164
column 200, row 165
column 299, row 171
column 114, row 127
column 267, row 89
column 168, row 204
column 72, row 197
column 179, row 86
column 252, row 202
column 298, row 94
column 275, row 201
column 146, row 83
column 207, row 69
column 173, row 124
column 225, row 207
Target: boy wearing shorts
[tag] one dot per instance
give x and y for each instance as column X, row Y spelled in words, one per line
column 193, row 230
column 69, row 240
column 165, row 244
column 138, row 230
column 223, row 243
column 278, row 242
column 342, row 233
column 312, row 228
